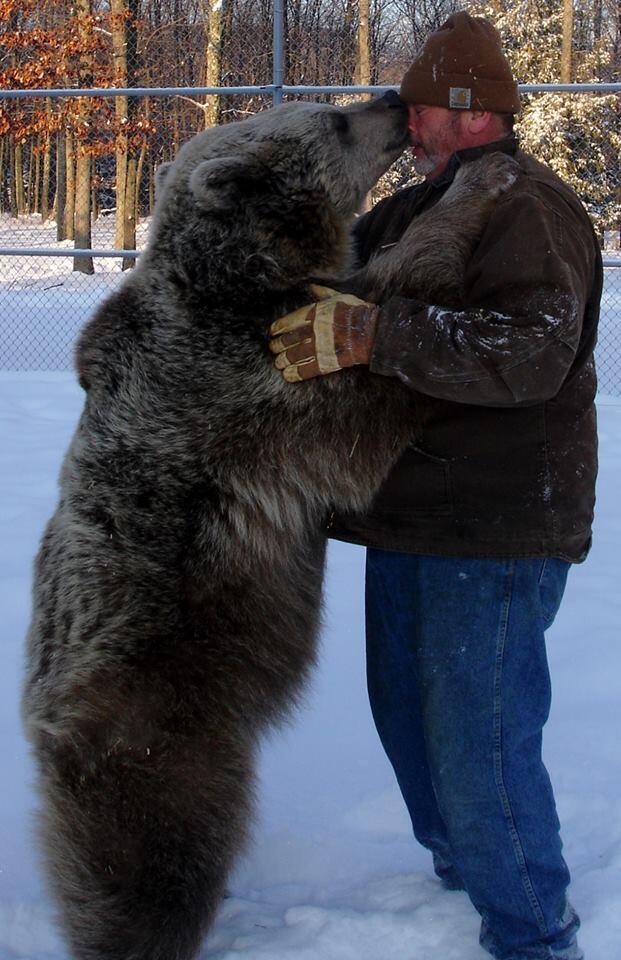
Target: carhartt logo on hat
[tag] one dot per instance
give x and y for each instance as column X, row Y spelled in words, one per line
column 460, row 98
column 462, row 66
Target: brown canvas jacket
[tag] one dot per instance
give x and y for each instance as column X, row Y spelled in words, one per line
column 505, row 453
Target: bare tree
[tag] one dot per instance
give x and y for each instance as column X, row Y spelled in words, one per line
column 213, row 19
column 69, row 229
column 47, row 163
column 567, row 40
column 61, row 184
column 82, row 217
column 421, row 17
column 363, row 65
column 118, row 26
column 123, row 19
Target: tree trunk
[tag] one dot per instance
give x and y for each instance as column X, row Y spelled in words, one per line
column 120, row 188
column 47, row 163
column 213, row 24
column 151, row 188
column 82, row 218
column 139, row 173
column 34, row 186
column 176, row 134
column 70, row 203
column 129, row 218
column 363, row 66
column 125, row 47
column 61, row 185
column 118, row 11
column 45, row 178
column 83, row 154
column 129, row 239
column 94, row 199
column 18, row 179
column 141, row 160
column 12, row 178
column 363, row 63
column 568, row 31
column 2, row 173
column 29, row 179
column 597, row 20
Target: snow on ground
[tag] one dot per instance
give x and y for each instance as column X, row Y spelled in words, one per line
column 333, row 873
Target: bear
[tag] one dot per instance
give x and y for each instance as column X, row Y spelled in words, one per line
column 177, row 587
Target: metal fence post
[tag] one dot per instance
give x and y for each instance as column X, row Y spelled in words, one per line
column 277, row 52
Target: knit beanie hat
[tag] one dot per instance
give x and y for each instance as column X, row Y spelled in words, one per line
column 462, row 66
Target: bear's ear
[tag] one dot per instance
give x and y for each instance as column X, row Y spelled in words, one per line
column 161, row 173
column 218, row 184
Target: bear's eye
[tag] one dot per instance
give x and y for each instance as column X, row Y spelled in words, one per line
column 341, row 126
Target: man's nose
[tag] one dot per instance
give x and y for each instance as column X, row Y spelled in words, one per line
column 412, row 119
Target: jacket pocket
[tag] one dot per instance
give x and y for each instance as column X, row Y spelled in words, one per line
column 419, row 485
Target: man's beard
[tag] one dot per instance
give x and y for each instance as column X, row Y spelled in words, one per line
column 438, row 147
column 425, row 164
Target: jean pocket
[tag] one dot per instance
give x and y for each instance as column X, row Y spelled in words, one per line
column 552, row 580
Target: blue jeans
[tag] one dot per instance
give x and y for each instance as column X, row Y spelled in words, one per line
column 460, row 691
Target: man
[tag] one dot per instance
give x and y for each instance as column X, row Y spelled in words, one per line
column 472, row 535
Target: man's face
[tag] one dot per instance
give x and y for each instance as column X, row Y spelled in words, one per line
column 435, row 134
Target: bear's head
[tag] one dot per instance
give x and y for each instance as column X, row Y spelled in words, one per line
column 267, row 202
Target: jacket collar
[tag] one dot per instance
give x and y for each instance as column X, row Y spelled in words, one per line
column 506, row 145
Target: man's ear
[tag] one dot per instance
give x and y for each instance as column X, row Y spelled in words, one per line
column 479, row 120
column 218, row 184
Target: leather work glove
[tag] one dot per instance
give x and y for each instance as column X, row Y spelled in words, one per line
column 336, row 332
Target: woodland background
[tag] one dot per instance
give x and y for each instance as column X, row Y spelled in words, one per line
column 76, row 159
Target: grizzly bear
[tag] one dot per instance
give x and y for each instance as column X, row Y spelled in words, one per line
column 177, row 586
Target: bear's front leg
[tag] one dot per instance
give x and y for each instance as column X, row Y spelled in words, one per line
column 429, row 261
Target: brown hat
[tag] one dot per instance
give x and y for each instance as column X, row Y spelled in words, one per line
column 462, row 66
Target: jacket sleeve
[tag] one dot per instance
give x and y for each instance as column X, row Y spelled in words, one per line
column 515, row 340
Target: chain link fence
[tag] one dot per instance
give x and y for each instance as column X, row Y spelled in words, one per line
column 77, row 172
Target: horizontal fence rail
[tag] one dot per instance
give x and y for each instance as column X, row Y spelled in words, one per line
column 71, row 252
column 270, row 88
column 131, row 254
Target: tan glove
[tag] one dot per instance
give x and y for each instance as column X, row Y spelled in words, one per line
column 324, row 337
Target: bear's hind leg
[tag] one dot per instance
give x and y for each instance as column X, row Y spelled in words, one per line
column 140, row 839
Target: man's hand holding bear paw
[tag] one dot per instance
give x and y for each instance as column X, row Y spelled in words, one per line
column 336, row 332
